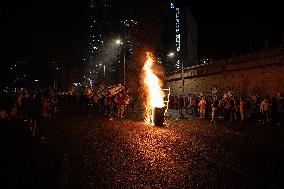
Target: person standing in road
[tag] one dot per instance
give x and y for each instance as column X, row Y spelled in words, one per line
column 214, row 108
column 120, row 102
column 202, row 106
column 180, row 104
column 242, row 109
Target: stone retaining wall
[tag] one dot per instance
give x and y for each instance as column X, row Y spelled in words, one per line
column 261, row 73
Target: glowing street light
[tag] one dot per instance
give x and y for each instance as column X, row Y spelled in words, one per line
column 171, row 54
column 119, row 42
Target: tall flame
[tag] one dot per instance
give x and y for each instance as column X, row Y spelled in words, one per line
column 155, row 96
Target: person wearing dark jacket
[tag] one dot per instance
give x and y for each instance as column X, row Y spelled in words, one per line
column 180, row 104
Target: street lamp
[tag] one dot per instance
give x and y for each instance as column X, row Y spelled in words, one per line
column 171, row 54
column 119, row 42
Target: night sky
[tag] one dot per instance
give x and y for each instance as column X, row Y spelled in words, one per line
column 39, row 31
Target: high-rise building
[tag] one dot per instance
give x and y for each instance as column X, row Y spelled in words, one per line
column 99, row 29
column 20, row 75
column 191, row 40
column 129, row 29
column 182, row 36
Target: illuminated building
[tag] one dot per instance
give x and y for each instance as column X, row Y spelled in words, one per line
column 182, row 36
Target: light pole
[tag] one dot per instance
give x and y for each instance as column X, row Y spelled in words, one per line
column 104, row 66
column 182, row 76
column 124, row 66
column 104, row 72
column 119, row 42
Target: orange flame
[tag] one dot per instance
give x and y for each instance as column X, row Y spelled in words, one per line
column 153, row 84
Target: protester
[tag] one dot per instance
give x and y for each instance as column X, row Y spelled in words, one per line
column 264, row 109
column 202, row 106
column 120, row 102
column 180, row 104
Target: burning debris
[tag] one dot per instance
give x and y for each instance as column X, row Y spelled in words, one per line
column 155, row 105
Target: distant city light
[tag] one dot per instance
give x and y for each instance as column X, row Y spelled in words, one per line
column 36, row 80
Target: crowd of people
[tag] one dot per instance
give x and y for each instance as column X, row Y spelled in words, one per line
column 33, row 107
column 112, row 103
column 29, row 107
column 231, row 108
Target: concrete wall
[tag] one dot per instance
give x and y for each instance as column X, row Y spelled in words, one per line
column 261, row 73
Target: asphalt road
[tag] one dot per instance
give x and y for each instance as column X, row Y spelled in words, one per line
column 101, row 153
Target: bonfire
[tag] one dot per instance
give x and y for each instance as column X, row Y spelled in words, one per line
column 153, row 84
